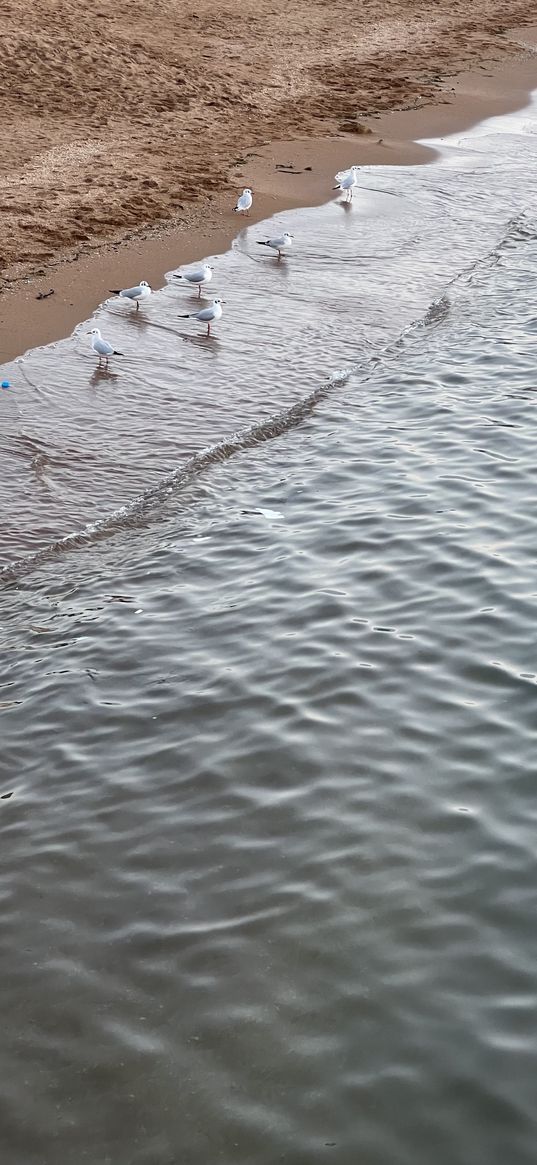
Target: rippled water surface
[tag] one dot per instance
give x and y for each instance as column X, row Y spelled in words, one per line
column 267, row 876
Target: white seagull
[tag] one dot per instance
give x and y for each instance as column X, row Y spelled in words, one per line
column 135, row 294
column 345, row 173
column 101, row 347
column 244, row 201
column 282, row 243
column 346, row 182
column 207, row 315
column 196, row 277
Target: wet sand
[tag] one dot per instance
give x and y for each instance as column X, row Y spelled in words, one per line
column 284, row 174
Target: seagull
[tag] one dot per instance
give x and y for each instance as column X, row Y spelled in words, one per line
column 345, row 173
column 197, row 277
column 134, row 293
column 207, row 315
column 347, row 181
column 282, row 243
column 244, row 201
column 101, row 347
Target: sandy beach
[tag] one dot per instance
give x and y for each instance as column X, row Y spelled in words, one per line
column 128, row 133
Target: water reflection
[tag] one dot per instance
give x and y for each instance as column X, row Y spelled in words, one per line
column 102, row 373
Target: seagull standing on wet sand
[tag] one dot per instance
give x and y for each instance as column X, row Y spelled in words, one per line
column 135, row 294
column 244, row 201
column 346, row 182
column 196, row 277
column 207, row 315
column 282, row 243
column 101, row 347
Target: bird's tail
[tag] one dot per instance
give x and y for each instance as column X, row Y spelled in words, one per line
column 236, row 208
column 262, row 243
column 114, row 353
column 114, row 290
column 336, row 188
column 177, row 275
column 188, row 316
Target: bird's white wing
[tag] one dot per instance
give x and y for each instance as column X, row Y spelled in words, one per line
column 205, row 315
column 132, row 292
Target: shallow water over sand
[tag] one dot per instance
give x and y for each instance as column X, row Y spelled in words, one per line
column 268, row 871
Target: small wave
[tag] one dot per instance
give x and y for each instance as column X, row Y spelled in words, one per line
column 137, row 510
column 140, row 509
column 517, row 230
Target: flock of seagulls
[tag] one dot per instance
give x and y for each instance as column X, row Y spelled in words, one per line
column 200, row 276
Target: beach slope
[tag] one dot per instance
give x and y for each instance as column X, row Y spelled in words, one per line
column 119, row 115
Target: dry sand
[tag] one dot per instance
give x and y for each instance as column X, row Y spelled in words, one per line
column 136, row 124
column 118, row 114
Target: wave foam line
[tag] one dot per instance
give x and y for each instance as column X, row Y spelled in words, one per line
column 135, row 512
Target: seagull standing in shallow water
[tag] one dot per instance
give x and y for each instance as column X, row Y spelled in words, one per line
column 346, row 182
column 244, row 201
column 196, row 277
column 282, row 243
column 101, row 347
column 207, row 315
column 135, row 294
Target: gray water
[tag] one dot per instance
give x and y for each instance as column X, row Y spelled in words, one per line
column 268, row 872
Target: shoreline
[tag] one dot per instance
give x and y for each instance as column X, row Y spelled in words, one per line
column 81, row 278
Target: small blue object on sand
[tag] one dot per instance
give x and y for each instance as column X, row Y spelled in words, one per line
column 6, row 384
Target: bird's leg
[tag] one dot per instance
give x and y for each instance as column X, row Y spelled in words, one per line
column 137, row 306
column 208, row 329
column 199, row 290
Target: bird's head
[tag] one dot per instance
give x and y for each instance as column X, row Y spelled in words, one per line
column 247, row 190
column 94, row 332
column 144, row 283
